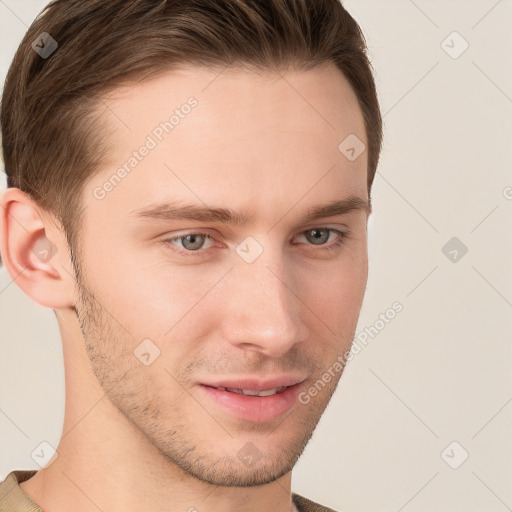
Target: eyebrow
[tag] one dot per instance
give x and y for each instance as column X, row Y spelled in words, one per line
column 176, row 210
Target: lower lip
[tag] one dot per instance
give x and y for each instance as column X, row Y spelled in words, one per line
column 254, row 408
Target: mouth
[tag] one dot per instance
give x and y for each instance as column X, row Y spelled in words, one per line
column 252, row 392
column 252, row 405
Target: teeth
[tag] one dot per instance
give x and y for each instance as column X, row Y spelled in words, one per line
column 250, row 392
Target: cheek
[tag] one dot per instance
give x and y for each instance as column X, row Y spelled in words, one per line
column 161, row 303
column 335, row 293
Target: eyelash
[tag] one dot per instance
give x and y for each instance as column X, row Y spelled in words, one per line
column 342, row 236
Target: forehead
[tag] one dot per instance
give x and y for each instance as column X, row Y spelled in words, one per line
column 196, row 132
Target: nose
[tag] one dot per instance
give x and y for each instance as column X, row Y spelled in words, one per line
column 264, row 311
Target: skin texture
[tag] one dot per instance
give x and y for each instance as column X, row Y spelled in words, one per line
column 139, row 437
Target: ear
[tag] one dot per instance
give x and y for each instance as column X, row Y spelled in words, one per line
column 34, row 251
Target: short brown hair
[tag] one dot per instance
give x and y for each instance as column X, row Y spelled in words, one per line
column 52, row 140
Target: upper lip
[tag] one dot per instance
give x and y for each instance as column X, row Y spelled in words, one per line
column 256, row 384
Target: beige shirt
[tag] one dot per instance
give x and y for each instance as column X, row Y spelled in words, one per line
column 14, row 499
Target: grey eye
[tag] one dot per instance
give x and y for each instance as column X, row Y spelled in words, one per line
column 192, row 242
column 319, row 236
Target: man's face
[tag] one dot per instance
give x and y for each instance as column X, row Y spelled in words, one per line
column 272, row 297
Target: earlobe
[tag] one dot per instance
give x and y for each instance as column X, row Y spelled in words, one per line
column 33, row 252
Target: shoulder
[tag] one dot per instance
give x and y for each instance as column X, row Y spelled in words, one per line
column 12, row 496
column 306, row 505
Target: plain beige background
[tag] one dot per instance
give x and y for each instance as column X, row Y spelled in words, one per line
column 433, row 385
